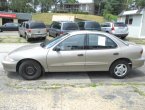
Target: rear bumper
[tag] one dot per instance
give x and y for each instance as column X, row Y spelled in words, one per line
column 120, row 35
column 138, row 62
column 37, row 35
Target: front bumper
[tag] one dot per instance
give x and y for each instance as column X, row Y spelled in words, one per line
column 9, row 66
column 138, row 62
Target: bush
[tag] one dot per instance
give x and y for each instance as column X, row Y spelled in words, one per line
column 110, row 17
column 73, row 12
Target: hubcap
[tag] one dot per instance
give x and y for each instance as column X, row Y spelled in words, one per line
column 30, row 70
column 120, row 70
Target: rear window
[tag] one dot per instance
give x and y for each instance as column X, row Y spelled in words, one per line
column 37, row 25
column 92, row 25
column 70, row 26
column 119, row 24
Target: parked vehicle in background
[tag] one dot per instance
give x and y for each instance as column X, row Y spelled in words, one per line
column 60, row 27
column 118, row 29
column 76, row 51
column 9, row 27
column 33, row 29
column 89, row 25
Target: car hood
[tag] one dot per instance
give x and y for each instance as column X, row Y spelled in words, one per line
column 26, row 48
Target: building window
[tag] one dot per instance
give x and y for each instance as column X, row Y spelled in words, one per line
column 129, row 20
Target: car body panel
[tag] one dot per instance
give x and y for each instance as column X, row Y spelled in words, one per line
column 65, row 61
column 115, row 29
column 57, row 28
column 68, row 61
column 9, row 27
column 26, row 29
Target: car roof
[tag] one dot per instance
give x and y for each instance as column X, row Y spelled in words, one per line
column 33, row 22
column 88, row 21
column 86, row 31
column 65, row 21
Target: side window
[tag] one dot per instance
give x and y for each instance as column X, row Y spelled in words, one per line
column 57, row 25
column 81, row 25
column 75, row 42
column 27, row 26
column 23, row 25
column 100, row 42
column 106, row 25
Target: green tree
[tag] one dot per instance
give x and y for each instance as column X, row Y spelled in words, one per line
column 45, row 5
column 114, row 7
column 21, row 5
column 140, row 3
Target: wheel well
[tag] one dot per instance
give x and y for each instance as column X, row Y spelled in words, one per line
column 123, row 59
column 21, row 61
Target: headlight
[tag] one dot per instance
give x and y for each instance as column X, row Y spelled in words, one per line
column 7, row 58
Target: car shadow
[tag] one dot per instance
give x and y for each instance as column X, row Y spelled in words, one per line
column 93, row 77
column 133, row 76
column 36, row 40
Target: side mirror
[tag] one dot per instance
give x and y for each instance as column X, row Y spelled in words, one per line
column 57, row 49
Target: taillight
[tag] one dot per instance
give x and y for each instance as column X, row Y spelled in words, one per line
column 113, row 28
column 29, row 30
column 61, row 33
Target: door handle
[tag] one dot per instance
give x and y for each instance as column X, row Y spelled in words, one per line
column 115, row 53
column 80, row 55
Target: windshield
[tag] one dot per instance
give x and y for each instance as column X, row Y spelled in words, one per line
column 50, row 43
column 70, row 26
column 37, row 25
column 119, row 24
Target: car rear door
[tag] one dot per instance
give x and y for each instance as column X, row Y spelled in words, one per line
column 55, row 29
column 101, row 52
column 70, row 57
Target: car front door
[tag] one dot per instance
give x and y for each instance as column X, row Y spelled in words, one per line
column 101, row 52
column 67, row 56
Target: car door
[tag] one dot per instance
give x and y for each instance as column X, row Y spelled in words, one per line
column 101, row 52
column 67, row 56
column 5, row 27
column 22, row 29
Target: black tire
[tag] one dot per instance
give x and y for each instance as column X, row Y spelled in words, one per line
column 20, row 35
column 27, row 38
column 30, row 70
column 123, row 37
column 119, row 69
column 1, row 30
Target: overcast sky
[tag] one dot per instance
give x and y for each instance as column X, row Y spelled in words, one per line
column 85, row 1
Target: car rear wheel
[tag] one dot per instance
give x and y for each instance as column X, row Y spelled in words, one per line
column 20, row 35
column 30, row 70
column 119, row 69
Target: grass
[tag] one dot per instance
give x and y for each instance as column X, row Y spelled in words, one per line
column 136, row 40
column 12, row 39
column 136, row 90
column 47, row 17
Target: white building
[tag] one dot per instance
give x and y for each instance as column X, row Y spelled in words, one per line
column 135, row 19
column 80, row 6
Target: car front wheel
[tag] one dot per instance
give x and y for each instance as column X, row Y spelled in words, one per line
column 1, row 30
column 30, row 70
column 119, row 69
